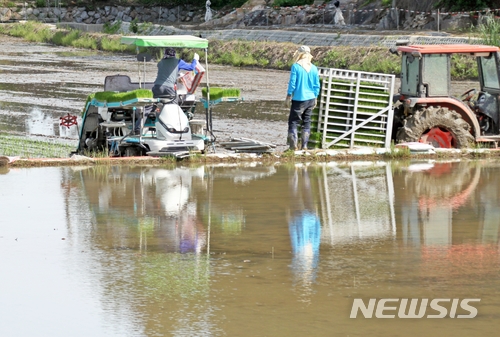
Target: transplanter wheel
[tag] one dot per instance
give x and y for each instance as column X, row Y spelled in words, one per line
column 437, row 126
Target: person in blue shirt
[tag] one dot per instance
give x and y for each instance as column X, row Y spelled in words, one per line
column 168, row 70
column 303, row 88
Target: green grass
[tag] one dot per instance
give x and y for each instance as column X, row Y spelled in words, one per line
column 39, row 32
column 397, row 153
column 112, row 44
column 489, row 30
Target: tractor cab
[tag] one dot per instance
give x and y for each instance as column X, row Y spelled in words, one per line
column 426, row 90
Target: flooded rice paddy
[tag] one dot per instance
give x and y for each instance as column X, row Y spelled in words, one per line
column 233, row 250
column 254, row 250
column 41, row 83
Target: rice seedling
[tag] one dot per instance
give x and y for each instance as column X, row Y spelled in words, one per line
column 34, row 148
column 111, row 96
column 219, row 93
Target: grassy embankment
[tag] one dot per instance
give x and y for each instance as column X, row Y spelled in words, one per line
column 239, row 53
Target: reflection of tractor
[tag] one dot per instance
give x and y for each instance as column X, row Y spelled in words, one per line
column 425, row 110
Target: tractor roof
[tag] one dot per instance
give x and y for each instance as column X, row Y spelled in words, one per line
column 448, row 49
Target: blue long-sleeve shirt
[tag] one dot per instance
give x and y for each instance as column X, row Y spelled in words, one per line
column 303, row 85
column 187, row 66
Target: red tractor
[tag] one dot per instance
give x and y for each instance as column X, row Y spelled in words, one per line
column 425, row 110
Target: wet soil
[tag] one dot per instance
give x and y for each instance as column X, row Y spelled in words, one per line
column 39, row 83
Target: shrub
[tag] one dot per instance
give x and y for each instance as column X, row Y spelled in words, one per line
column 464, row 5
column 111, row 28
column 65, row 38
column 290, row 3
column 134, row 26
column 489, row 29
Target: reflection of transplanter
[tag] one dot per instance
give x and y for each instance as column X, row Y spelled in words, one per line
column 150, row 203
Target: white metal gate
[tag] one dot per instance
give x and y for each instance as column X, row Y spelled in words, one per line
column 355, row 108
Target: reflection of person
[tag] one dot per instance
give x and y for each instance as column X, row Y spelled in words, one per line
column 168, row 69
column 304, row 227
column 303, row 88
column 208, row 14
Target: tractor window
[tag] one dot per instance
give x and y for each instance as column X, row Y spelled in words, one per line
column 490, row 72
column 436, row 74
column 409, row 75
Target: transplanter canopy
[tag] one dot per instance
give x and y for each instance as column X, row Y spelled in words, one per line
column 180, row 41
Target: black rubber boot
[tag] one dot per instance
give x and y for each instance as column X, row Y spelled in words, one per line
column 305, row 140
column 292, row 140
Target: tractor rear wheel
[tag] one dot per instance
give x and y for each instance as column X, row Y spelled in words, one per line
column 437, row 126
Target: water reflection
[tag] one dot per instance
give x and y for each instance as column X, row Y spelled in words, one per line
column 434, row 194
column 39, row 124
column 357, row 202
column 155, row 203
column 304, row 226
column 246, row 249
column 450, row 212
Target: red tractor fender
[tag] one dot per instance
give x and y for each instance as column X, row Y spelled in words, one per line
column 452, row 104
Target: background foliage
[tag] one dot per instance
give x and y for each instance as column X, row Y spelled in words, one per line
column 290, row 3
column 459, row 5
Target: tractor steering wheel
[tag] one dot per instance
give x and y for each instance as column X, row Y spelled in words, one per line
column 466, row 96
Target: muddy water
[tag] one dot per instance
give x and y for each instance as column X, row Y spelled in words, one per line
column 249, row 250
